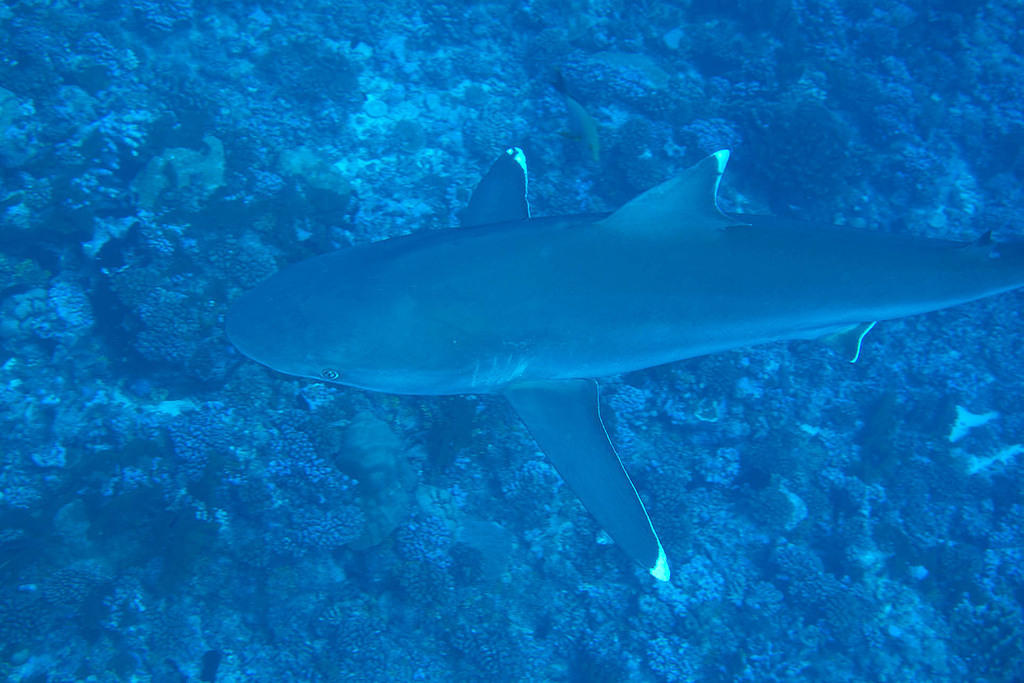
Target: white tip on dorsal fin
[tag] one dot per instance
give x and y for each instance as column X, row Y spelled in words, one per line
column 690, row 200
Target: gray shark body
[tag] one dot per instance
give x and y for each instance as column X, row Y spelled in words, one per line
column 530, row 308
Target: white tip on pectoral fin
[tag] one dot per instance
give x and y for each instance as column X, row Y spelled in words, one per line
column 723, row 158
column 661, row 571
column 564, row 417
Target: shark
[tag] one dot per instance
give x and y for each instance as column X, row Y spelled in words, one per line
column 536, row 308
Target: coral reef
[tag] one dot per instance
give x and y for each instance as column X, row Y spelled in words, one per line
column 170, row 511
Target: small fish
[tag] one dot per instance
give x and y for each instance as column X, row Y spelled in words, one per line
column 582, row 126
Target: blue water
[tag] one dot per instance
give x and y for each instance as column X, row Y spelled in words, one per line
column 171, row 511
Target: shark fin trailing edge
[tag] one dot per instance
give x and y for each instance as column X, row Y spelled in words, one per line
column 501, row 195
column 847, row 342
column 689, row 200
column 565, row 419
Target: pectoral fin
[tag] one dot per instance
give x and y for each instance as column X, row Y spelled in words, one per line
column 564, row 417
column 501, row 195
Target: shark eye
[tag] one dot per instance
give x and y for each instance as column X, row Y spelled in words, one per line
column 330, row 374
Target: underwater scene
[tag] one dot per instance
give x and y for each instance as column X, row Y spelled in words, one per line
column 393, row 462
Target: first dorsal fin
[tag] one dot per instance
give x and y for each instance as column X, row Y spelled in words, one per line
column 689, row 199
column 501, row 195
